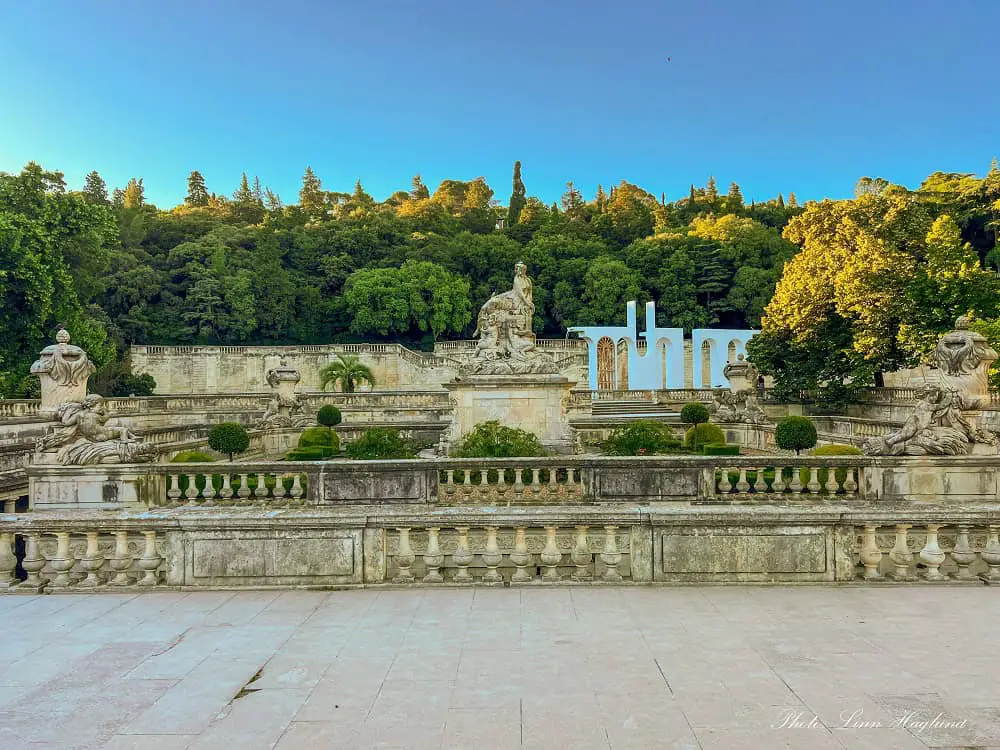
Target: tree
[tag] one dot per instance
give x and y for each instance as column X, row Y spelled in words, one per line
column 134, row 195
column 792, row 202
column 311, row 196
column 348, row 372
column 197, row 193
column 247, row 205
column 608, row 285
column 795, row 434
column 418, row 190
column 711, row 191
column 229, row 438
column 517, row 197
column 694, row 414
column 572, row 202
column 734, row 198
column 95, row 190
column 328, row 416
column 494, row 440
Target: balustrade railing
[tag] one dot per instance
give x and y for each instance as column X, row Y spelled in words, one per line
column 60, row 556
column 511, row 486
column 775, row 482
column 235, row 488
column 931, row 552
column 495, row 555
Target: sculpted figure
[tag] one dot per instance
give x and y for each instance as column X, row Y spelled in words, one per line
column 724, row 406
column 936, row 428
column 506, row 342
column 753, row 413
column 964, row 358
column 284, row 409
column 84, row 437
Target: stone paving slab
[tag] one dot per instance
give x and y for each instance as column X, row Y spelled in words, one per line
column 693, row 667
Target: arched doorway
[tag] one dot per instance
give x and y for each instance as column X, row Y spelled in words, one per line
column 622, row 353
column 605, row 364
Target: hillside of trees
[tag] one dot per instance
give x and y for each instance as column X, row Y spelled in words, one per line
column 340, row 266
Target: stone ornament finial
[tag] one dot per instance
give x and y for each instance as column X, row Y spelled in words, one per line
column 964, row 358
column 63, row 370
column 285, row 408
column 506, row 342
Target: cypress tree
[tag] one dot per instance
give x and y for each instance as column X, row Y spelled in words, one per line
column 691, row 199
column 781, row 201
column 793, row 202
column 517, row 199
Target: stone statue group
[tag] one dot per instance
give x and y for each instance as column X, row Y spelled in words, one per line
column 506, row 342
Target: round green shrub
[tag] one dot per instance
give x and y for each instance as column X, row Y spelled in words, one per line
column 694, row 413
column 329, row 416
column 642, row 437
column 379, row 443
column 192, row 457
column 318, row 436
column 310, row 453
column 493, row 440
column 706, row 433
column 229, row 437
column 795, row 434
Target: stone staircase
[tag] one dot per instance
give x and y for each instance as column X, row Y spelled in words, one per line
column 631, row 410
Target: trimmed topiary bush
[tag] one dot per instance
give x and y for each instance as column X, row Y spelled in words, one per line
column 315, row 443
column 311, row 453
column 493, row 440
column 642, row 437
column 795, row 434
column 380, row 443
column 329, row 416
column 720, row 449
column 229, row 437
column 694, row 414
column 192, row 457
column 703, row 434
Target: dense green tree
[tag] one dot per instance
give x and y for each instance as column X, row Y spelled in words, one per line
column 311, row 197
column 134, row 195
column 95, row 189
column 197, row 193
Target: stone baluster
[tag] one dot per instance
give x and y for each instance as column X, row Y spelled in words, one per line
column 404, row 557
column 243, row 493
column 449, row 480
column 62, row 562
column 795, row 485
column 433, row 558
column 871, row 555
column 778, row 483
column 296, row 491
column 991, row 555
column 226, row 491
column 520, row 557
column 900, row 554
column 467, row 481
column 174, row 493
column 610, row 555
column 725, row 486
column 8, row 560
column 742, row 485
column 492, row 557
column 581, row 556
column 963, row 555
column 759, row 483
column 484, row 484
column 536, row 486
column 191, row 493
column 814, row 486
column 931, row 555
column 150, row 561
column 551, row 556
column 32, row 563
column 462, row 557
column 121, row 560
column 92, row 562
column 553, row 484
column 850, row 483
column 501, row 482
column 518, row 482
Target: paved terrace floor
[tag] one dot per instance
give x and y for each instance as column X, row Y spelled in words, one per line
column 885, row 667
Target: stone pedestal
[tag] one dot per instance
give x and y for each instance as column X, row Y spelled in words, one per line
column 536, row 403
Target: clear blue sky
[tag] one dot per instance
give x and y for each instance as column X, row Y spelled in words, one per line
column 795, row 95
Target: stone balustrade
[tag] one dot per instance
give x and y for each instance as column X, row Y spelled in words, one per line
column 237, row 488
column 777, row 483
column 963, row 551
column 19, row 409
column 495, row 555
column 537, row 485
column 77, row 557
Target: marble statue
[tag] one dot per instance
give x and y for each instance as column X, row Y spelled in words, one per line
column 83, row 437
column 741, row 374
column 62, row 370
column 285, row 408
column 506, row 343
column 723, row 406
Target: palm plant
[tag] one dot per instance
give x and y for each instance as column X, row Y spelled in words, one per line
column 348, row 371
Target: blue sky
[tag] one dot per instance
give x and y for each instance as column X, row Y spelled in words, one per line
column 780, row 96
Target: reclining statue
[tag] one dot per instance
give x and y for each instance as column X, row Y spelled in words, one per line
column 85, row 439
